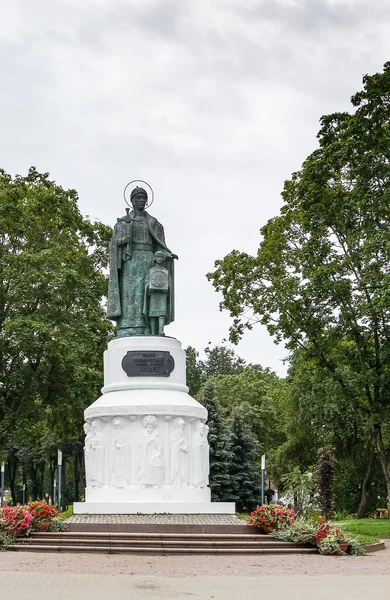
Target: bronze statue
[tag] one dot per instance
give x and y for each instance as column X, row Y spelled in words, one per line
column 137, row 237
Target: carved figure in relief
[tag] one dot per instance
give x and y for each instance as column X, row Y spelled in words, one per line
column 179, row 455
column 156, row 304
column 206, row 455
column 96, row 459
column 119, row 454
column 87, row 452
column 201, row 453
column 150, row 459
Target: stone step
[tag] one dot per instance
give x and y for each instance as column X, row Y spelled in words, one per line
column 160, row 543
column 145, row 536
column 120, row 527
column 147, row 550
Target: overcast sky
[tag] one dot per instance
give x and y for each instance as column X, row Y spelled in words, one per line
column 215, row 103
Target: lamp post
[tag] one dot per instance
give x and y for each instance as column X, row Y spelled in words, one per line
column 24, row 494
column 262, row 478
column 55, row 491
column 2, row 485
column 59, row 480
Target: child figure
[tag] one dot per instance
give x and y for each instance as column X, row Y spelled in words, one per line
column 157, row 295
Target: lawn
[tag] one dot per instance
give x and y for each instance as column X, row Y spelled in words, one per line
column 375, row 527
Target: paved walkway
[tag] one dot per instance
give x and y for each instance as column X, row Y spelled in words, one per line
column 36, row 576
column 103, row 587
column 158, row 519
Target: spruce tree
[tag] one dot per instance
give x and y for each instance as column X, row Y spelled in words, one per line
column 220, row 449
column 244, row 471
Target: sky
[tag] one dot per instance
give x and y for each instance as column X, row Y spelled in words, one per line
column 214, row 103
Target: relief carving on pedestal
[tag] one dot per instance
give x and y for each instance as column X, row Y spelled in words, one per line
column 201, row 462
column 119, row 465
column 178, row 455
column 95, row 456
column 150, row 459
column 87, row 452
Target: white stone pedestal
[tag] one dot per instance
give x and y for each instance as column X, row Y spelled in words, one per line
column 146, row 448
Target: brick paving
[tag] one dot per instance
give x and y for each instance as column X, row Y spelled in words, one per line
column 157, row 519
column 252, row 566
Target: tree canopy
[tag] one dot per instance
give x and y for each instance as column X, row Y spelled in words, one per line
column 53, row 328
column 320, row 279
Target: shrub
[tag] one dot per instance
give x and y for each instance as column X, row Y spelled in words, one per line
column 270, row 517
column 302, row 531
column 17, row 519
column 57, row 524
column 330, row 545
column 43, row 515
column 5, row 540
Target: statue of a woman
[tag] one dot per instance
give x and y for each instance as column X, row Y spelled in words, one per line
column 137, row 236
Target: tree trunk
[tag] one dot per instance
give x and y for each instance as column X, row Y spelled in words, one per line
column 52, row 470
column 12, row 468
column 385, row 464
column 41, row 471
column 76, row 477
column 364, row 491
column 63, row 483
column 82, row 469
column 34, row 481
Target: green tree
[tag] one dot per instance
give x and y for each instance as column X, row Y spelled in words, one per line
column 324, row 478
column 52, row 323
column 194, row 371
column 220, row 448
column 254, row 393
column 221, row 360
column 244, row 470
column 321, row 277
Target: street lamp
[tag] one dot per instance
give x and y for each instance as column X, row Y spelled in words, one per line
column 59, row 479
column 262, row 478
column 2, row 485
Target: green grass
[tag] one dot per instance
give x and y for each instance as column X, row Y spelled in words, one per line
column 66, row 513
column 243, row 516
column 372, row 527
column 364, row 540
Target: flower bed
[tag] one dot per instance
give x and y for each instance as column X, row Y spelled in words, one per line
column 43, row 515
column 320, row 533
column 270, row 517
column 18, row 521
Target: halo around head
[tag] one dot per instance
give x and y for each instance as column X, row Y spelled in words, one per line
column 132, row 185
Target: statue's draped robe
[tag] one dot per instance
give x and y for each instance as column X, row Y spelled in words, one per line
column 178, row 460
column 132, row 249
column 150, row 460
column 119, row 459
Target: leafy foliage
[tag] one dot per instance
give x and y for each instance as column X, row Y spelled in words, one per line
column 220, row 449
column 52, row 324
column 320, row 280
column 324, row 477
column 244, row 472
column 219, row 360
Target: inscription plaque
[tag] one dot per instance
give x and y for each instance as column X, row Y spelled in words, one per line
column 148, row 364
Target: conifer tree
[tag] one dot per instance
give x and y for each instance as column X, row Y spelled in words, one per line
column 244, row 471
column 220, row 449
